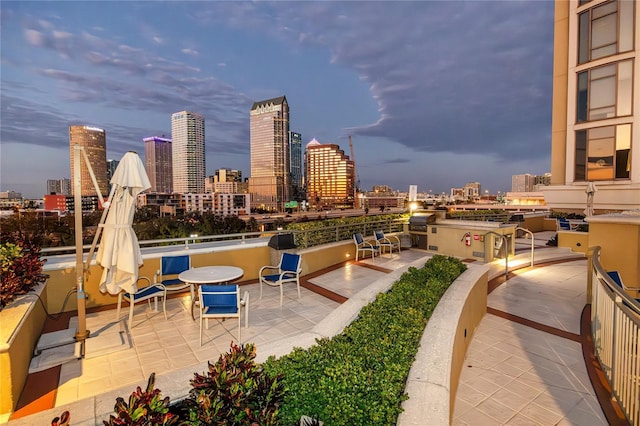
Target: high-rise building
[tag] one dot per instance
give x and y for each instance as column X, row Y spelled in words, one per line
column 94, row 142
column 523, row 183
column 269, row 183
column 329, row 174
column 112, row 165
column 595, row 127
column 295, row 159
column 227, row 175
column 158, row 163
column 188, row 156
column 59, row 186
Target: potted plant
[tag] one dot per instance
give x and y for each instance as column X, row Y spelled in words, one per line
column 20, row 266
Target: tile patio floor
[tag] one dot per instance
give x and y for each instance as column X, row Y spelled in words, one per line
column 514, row 374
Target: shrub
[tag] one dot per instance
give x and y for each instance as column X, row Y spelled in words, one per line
column 358, row 377
column 234, row 391
column 20, row 266
column 144, row 408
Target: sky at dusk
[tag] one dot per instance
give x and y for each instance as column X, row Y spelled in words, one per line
column 434, row 93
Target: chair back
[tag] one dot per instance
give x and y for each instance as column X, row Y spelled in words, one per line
column 225, row 298
column 615, row 276
column 379, row 235
column 174, row 265
column 358, row 238
column 290, row 262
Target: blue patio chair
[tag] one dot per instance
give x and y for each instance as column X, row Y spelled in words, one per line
column 391, row 242
column 615, row 276
column 364, row 247
column 288, row 271
column 170, row 268
column 563, row 224
column 151, row 291
column 219, row 301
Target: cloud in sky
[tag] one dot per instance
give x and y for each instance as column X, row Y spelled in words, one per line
column 423, row 87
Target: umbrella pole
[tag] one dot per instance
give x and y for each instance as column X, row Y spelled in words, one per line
column 82, row 333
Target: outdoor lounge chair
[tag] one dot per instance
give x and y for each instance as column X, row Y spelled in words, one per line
column 220, row 301
column 615, row 276
column 363, row 246
column 391, row 242
column 288, row 271
column 170, row 268
column 151, row 291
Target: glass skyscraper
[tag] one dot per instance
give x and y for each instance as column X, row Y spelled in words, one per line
column 269, row 183
column 329, row 175
column 188, row 156
column 158, row 163
column 94, row 142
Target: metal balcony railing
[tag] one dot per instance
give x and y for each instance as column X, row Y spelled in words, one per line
column 303, row 238
column 615, row 328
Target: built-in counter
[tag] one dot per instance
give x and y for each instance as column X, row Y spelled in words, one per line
column 484, row 241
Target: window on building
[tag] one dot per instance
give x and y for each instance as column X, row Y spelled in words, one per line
column 605, row 30
column 602, row 153
column 604, row 92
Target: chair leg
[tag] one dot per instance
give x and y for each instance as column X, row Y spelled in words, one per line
column 164, row 304
column 245, row 299
column 260, row 289
column 201, row 319
column 239, row 331
column 298, row 285
column 281, row 294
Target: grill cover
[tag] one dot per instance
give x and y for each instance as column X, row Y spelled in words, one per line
column 282, row 242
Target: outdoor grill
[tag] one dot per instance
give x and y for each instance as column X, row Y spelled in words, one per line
column 418, row 228
column 419, row 221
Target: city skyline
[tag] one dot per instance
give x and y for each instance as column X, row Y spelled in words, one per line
column 436, row 94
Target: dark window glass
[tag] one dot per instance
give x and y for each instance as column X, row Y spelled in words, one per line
column 583, row 40
column 581, row 155
column 583, row 84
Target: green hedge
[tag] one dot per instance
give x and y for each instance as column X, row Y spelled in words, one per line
column 358, row 377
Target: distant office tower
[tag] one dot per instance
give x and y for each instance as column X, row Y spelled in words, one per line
column 295, row 159
column 158, row 160
column 523, row 183
column 227, row 175
column 329, row 174
column 187, row 133
column 94, row 142
column 59, row 186
column 270, row 168
column 112, row 165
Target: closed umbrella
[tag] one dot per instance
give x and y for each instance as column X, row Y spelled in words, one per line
column 119, row 252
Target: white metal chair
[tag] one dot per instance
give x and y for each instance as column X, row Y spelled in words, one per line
column 390, row 242
column 288, row 271
column 170, row 268
column 221, row 301
column 363, row 246
column 151, row 291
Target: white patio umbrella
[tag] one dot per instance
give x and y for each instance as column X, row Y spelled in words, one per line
column 119, row 252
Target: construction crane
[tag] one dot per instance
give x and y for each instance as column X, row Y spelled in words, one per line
column 356, row 180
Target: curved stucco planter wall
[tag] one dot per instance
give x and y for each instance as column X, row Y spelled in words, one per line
column 433, row 378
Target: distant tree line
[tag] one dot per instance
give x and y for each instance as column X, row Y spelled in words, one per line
column 53, row 231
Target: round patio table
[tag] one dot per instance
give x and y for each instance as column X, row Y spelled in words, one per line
column 209, row 275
